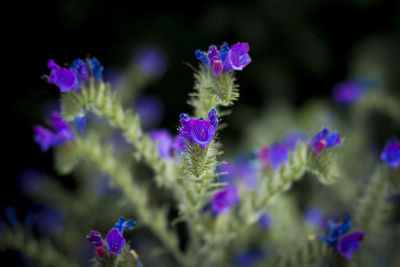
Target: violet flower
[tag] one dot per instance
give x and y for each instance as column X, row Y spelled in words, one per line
column 199, row 131
column 64, row 78
column 246, row 172
column 391, row 153
column 291, row 139
column 115, row 241
column 324, row 140
column 151, row 60
column 164, row 142
column 264, row 221
column 95, row 239
column 350, row 243
column 122, row 225
column 80, row 69
column 348, row 92
column 46, row 138
column 150, row 110
column 95, row 68
column 346, row 245
column 273, row 156
column 249, row 257
column 314, row 217
column 224, row 200
column 225, row 59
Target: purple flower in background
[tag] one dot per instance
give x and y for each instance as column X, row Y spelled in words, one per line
column 122, row 225
column 80, row 69
column 350, row 243
column 179, row 144
column 336, row 231
column 291, row 139
column 95, row 239
column 46, row 138
column 151, row 60
column 150, row 110
column 95, row 68
column 391, row 153
column 64, row 78
column 224, row 200
column 49, row 220
column 347, row 93
column 229, row 172
column 249, row 257
column 273, row 156
column 225, row 59
column 115, row 241
column 324, row 140
column 164, row 142
column 246, row 172
column 81, row 123
column 314, row 217
column 199, row 131
column 113, row 76
column 264, row 221
column 29, row 181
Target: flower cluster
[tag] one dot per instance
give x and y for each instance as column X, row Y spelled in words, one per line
column 76, row 76
column 114, row 239
column 46, row 138
column 345, row 245
column 199, row 131
column 225, row 59
column 324, row 140
column 391, row 153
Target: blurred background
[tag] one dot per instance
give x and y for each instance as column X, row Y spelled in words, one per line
column 299, row 51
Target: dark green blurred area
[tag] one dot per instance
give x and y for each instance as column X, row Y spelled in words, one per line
column 300, row 49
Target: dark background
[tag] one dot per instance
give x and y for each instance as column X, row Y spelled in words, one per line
column 300, row 49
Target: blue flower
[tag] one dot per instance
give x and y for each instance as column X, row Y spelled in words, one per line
column 115, row 241
column 164, row 142
column 315, row 217
column 391, row 153
column 122, row 225
column 324, row 140
column 151, row 60
column 264, row 221
column 95, row 68
column 80, row 69
column 249, row 257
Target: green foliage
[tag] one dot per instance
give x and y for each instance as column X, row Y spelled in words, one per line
column 324, row 165
column 41, row 250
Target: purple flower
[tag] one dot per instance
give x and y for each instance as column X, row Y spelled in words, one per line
column 391, row 153
column 314, row 217
column 346, row 245
column 245, row 171
column 164, row 142
column 150, row 110
column 80, row 69
column 46, row 138
column 151, row 60
column 224, row 200
column 115, row 241
column 95, row 68
column 179, row 144
column 95, row 239
column 248, row 258
column 350, row 243
column 273, row 156
column 122, row 225
column 64, row 78
column 324, row 140
column 199, row 131
column 264, row 221
column 29, row 181
column 347, row 93
column 226, row 59
column 229, row 170
column 291, row 139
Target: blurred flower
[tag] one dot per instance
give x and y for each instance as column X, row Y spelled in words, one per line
column 164, row 142
column 80, row 70
column 150, row 110
column 81, row 123
column 291, row 139
column 246, row 172
column 95, row 68
column 151, row 60
column 224, row 200
column 198, row 130
column 273, row 156
column 115, row 241
column 122, row 225
column 45, row 138
column 391, row 153
column 229, row 172
column 29, row 181
column 11, row 215
column 249, row 257
column 179, row 144
column 95, row 239
column 64, row 78
column 113, row 76
column 350, row 243
column 346, row 245
column 225, row 60
column 314, row 217
column 265, row 221
column 348, row 92
column 49, row 220
column 324, row 140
